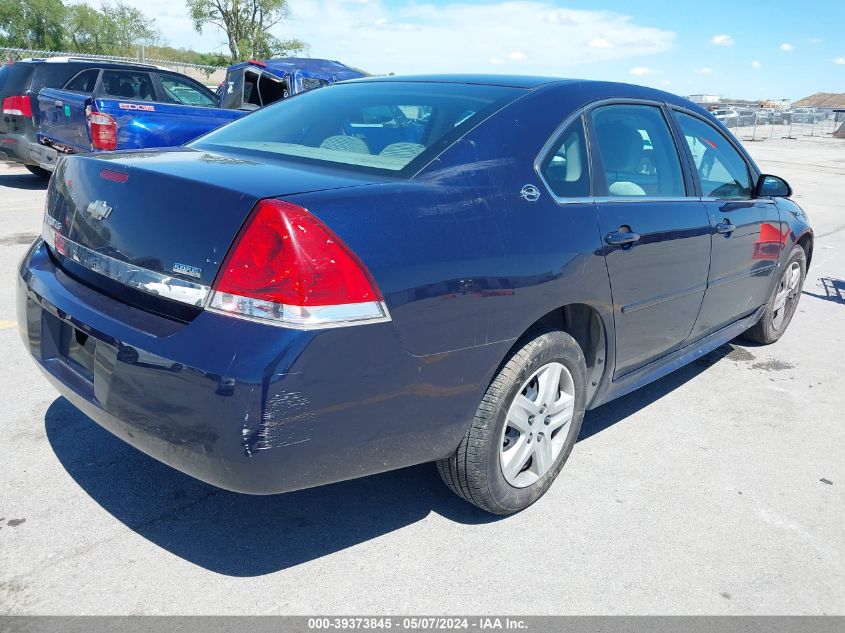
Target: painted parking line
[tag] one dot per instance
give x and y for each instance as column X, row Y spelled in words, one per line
column 5, row 325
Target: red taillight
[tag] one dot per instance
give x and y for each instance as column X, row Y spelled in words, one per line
column 103, row 131
column 19, row 106
column 288, row 267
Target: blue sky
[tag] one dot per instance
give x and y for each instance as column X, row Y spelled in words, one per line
column 739, row 48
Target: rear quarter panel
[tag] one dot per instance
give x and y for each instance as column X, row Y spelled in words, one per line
column 144, row 124
column 465, row 264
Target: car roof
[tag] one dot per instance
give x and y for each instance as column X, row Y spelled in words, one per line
column 512, row 81
column 93, row 63
column 589, row 88
column 308, row 64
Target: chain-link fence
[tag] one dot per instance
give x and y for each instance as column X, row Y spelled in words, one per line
column 198, row 71
column 757, row 124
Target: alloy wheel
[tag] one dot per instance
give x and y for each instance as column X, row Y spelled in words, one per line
column 537, row 425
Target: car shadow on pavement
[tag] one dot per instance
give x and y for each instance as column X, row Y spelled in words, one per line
column 834, row 290
column 23, row 180
column 236, row 534
column 243, row 535
column 617, row 410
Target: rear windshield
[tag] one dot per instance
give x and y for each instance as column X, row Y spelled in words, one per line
column 14, row 78
column 369, row 126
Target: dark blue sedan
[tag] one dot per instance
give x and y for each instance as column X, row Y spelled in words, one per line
column 402, row 270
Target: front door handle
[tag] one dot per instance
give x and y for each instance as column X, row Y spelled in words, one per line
column 620, row 238
column 725, row 227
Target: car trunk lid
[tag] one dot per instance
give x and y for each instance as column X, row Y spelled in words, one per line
column 162, row 221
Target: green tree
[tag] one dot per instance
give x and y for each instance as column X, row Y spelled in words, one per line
column 126, row 28
column 246, row 24
column 86, row 29
column 32, row 23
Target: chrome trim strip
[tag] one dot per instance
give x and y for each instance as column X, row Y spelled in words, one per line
column 136, row 277
column 651, row 199
column 298, row 317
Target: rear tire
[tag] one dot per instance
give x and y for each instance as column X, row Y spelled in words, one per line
column 784, row 300
column 35, row 170
column 549, row 375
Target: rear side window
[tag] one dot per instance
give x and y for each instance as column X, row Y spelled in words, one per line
column 84, row 81
column 723, row 173
column 566, row 168
column 184, row 92
column 637, row 152
column 370, row 126
column 4, row 72
column 128, row 85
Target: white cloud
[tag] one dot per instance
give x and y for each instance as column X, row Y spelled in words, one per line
column 756, row 65
column 703, row 71
column 786, row 47
column 839, row 60
column 641, row 71
column 383, row 36
column 600, row 42
column 722, row 40
column 531, row 36
column 815, row 40
column 665, row 82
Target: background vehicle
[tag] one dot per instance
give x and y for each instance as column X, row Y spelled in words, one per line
column 807, row 115
column 20, row 83
column 396, row 271
column 746, row 116
column 108, row 108
column 764, row 115
column 254, row 84
column 727, row 116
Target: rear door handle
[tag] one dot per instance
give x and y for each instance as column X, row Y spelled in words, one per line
column 725, row 226
column 620, row 238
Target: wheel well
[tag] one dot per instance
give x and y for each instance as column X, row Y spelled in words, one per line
column 583, row 323
column 806, row 242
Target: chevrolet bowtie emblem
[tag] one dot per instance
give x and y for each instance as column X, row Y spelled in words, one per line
column 99, row 210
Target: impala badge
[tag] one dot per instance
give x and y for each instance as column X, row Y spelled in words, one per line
column 99, row 210
column 190, row 271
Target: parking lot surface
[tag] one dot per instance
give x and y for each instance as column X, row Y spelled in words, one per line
column 719, row 489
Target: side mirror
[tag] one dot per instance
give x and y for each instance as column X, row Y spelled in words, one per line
column 772, row 187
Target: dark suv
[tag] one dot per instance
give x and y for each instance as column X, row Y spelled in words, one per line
column 20, row 83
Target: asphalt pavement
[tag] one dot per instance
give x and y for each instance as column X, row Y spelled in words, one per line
column 719, row 489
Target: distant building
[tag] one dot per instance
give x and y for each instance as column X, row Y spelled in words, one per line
column 704, row 98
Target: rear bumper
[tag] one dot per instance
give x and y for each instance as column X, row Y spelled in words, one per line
column 19, row 149
column 244, row 406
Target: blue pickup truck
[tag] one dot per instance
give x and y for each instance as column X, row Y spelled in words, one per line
column 254, row 84
column 130, row 107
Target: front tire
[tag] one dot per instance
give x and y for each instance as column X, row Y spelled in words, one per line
column 525, row 427
column 784, row 300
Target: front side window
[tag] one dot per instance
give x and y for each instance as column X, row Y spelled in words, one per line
column 637, row 152
column 378, row 125
column 566, row 168
column 84, row 81
column 723, row 173
column 183, row 92
column 128, row 85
